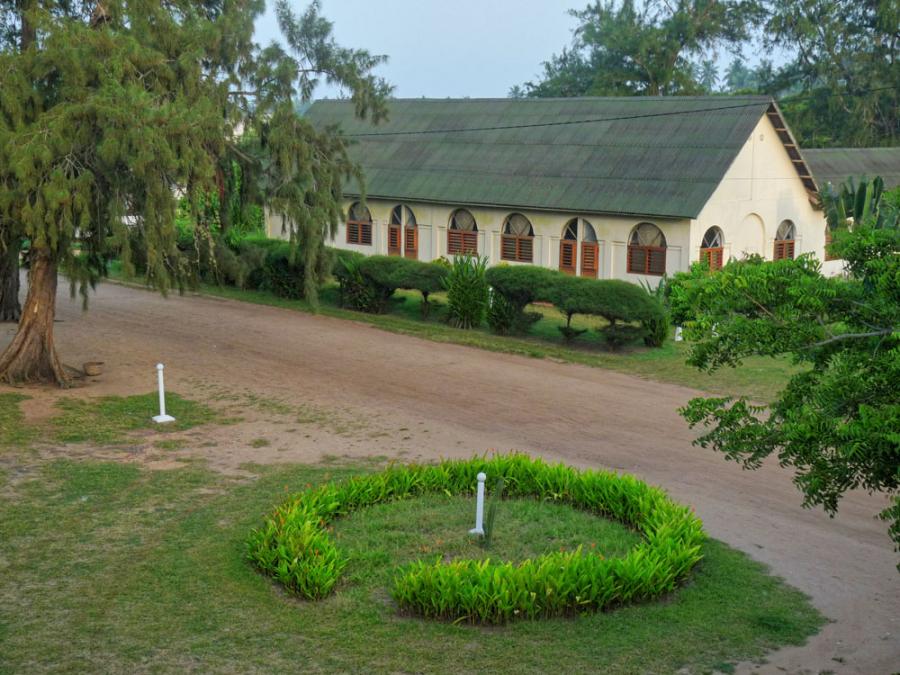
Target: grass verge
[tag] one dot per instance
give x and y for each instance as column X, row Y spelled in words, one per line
column 13, row 431
column 109, row 419
column 109, row 567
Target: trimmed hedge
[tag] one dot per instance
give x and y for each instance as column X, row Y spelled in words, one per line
column 612, row 299
column 293, row 545
column 521, row 285
column 384, row 275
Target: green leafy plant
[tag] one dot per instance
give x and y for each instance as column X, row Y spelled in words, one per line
column 617, row 335
column 467, row 291
column 656, row 326
column 357, row 291
column 836, row 420
column 293, row 546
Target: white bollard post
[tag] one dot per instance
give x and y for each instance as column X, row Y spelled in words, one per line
column 678, row 337
column 479, row 506
column 162, row 418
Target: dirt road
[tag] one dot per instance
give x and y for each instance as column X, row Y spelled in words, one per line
column 422, row 399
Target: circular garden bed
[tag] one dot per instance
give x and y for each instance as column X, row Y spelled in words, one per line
column 295, row 547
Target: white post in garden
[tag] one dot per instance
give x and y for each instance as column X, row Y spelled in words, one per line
column 678, row 337
column 162, row 418
column 479, row 506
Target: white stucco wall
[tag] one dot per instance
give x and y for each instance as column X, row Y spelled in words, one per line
column 433, row 221
column 759, row 191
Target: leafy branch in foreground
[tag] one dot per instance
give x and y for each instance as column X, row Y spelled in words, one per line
column 838, row 421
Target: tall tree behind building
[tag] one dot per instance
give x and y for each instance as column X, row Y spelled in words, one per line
column 623, row 48
column 839, row 84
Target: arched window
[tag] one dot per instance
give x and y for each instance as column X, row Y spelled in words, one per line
column 359, row 225
column 517, row 240
column 462, row 235
column 647, row 250
column 575, row 231
column 403, row 234
column 784, row 241
column 712, row 250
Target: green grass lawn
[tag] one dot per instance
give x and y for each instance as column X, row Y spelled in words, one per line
column 107, row 420
column 759, row 378
column 110, row 567
column 14, row 432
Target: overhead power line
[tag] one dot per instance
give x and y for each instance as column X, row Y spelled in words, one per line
column 595, row 120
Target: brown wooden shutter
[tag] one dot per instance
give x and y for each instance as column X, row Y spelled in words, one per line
column 517, row 249
column 366, row 233
column 460, row 242
column 567, row 256
column 656, row 263
column 394, row 240
column 637, row 259
column 454, row 242
column 784, row 250
column 713, row 257
column 352, row 232
column 647, row 260
column 590, row 257
column 411, row 242
column 525, row 249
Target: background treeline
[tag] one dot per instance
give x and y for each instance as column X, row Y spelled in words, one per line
column 835, row 69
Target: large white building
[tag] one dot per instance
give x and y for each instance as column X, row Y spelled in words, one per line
column 626, row 188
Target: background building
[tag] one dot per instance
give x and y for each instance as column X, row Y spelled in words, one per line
column 628, row 188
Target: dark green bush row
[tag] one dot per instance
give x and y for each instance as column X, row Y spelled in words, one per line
column 259, row 263
column 253, row 262
column 293, row 545
column 616, row 301
column 368, row 282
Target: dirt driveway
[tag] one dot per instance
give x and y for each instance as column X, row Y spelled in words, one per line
column 392, row 395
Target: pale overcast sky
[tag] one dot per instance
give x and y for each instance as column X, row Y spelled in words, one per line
column 453, row 48
column 456, row 48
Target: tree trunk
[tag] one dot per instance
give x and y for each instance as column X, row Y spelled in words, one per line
column 10, row 310
column 31, row 356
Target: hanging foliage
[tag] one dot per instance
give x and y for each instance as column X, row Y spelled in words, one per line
column 110, row 111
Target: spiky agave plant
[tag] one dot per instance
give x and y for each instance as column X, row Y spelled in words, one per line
column 467, row 291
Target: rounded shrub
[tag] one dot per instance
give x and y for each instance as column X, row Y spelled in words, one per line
column 293, row 545
column 392, row 272
column 521, row 284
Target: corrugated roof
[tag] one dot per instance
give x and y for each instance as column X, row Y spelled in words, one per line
column 836, row 165
column 660, row 156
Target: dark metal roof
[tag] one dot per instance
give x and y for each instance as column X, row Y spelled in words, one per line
column 650, row 156
column 836, row 165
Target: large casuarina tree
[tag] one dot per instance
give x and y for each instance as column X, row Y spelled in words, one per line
column 112, row 109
